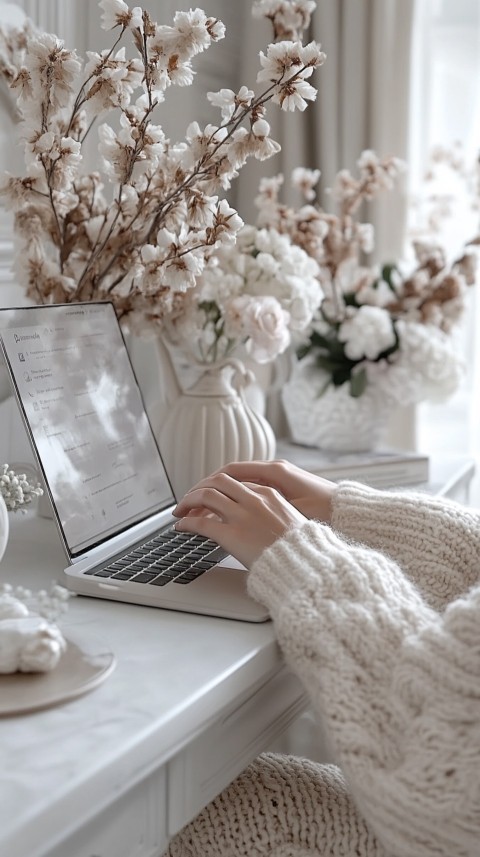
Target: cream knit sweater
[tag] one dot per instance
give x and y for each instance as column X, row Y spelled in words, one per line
column 379, row 615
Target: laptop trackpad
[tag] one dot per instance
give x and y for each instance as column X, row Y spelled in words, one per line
column 230, row 562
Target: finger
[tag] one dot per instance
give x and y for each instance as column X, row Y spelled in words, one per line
column 213, row 493
column 250, row 471
column 241, row 471
column 207, row 481
column 208, row 499
column 201, row 513
column 276, row 474
column 261, row 489
column 207, row 526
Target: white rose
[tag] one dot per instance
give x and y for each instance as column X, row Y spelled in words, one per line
column 265, row 325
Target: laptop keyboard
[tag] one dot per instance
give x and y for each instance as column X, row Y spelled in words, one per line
column 169, row 557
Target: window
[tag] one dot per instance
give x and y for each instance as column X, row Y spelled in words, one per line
column 445, row 112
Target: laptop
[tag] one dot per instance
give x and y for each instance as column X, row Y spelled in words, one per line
column 102, row 470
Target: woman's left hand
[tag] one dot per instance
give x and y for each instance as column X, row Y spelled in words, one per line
column 244, row 518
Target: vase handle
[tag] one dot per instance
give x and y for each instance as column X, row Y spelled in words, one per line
column 241, row 377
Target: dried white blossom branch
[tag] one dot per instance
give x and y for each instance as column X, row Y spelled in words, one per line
column 142, row 227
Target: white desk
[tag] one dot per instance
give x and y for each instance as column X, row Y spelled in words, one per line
column 115, row 773
column 191, row 701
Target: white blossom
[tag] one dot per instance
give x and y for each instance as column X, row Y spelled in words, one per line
column 294, row 95
column 225, row 99
column 427, row 365
column 288, row 18
column 114, row 79
column 366, row 237
column 53, row 70
column 116, row 13
column 305, row 180
column 265, row 325
column 17, row 489
column 367, row 332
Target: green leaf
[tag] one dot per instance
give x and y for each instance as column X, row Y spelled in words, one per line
column 303, row 350
column 341, row 375
column 337, row 350
column 391, row 350
column 387, row 275
column 358, row 383
column 324, row 362
column 319, row 341
column 211, row 310
column 324, row 389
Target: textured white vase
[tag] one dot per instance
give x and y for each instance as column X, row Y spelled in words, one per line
column 4, row 526
column 211, row 424
column 332, row 420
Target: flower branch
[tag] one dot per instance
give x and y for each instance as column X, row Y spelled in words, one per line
column 151, row 234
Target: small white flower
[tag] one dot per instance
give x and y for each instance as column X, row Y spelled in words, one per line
column 367, row 333
column 305, row 180
column 116, row 13
column 192, row 32
column 288, row 19
column 279, row 59
column 225, row 99
column 151, row 253
column 261, row 128
column 16, row 489
column 366, row 237
column 227, row 222
column 375, row 292
column 294, row 94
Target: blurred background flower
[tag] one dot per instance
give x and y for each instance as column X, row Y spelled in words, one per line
column 390, row 325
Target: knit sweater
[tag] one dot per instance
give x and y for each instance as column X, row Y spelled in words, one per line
column 379, row 615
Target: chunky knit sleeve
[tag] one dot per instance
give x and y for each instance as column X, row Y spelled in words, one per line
column 396, row 684
column 435, row 541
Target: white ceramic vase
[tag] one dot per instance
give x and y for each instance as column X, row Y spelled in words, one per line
column 4, row 526
column 211, row 424
column 333, row 419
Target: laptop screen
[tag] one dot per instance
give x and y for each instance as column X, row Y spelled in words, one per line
column 86, row 418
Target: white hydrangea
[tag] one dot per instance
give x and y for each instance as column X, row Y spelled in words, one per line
column 426, row 366
column 367, row 332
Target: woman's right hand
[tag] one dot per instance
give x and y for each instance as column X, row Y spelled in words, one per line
column 311, row 495
column 245, row 518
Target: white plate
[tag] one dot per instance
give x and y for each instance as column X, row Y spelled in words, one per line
column 82, row 667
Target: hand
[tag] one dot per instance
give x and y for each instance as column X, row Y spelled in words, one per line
column 244, row 518
column 311, row 495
